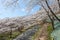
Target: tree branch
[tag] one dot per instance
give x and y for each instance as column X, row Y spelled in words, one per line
column 52, row 11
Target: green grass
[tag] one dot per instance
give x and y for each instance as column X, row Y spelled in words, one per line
column 36, row 34
column 6, row 36
column 49, row 30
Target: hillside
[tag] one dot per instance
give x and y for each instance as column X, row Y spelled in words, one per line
column 25, row 23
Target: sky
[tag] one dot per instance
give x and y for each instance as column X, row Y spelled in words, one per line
column 17, row 11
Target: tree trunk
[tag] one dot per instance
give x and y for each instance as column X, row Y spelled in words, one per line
column 52, row 21
column 11, row 33
column 52, row 11
column 58, row 4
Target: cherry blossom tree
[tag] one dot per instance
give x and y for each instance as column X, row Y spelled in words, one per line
column 43, row 3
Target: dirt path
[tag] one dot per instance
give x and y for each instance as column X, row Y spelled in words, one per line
column 43, row 35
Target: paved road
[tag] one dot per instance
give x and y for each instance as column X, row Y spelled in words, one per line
column 28, row 34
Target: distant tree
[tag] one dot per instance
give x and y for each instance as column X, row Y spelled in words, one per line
column 11, row 26
column 20, row 28
column 49, row 8
column 33, row 3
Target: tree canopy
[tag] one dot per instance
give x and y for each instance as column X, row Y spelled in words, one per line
column 50, row 6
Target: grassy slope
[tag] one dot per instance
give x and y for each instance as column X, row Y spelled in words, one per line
column 6, row 35
column 36, row 34
column 16, row 33
column 49, row 30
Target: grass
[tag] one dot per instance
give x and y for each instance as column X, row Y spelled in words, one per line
column 49, row 30
column 6, row 35
column 36, row 34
